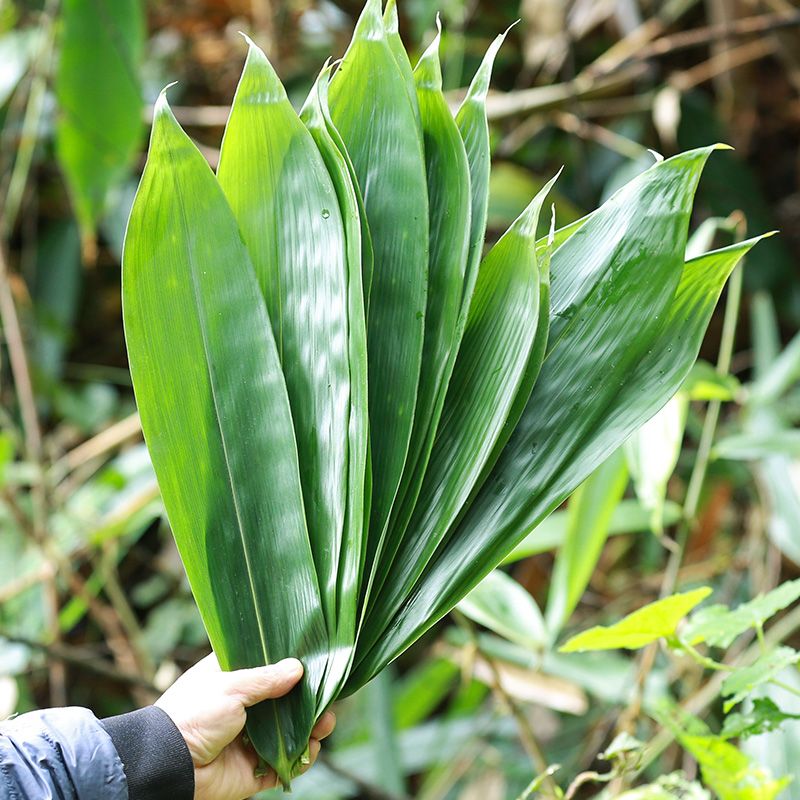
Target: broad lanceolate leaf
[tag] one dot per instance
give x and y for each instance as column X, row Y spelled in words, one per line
column 449, row 217
column 718, row 625
column 100, row 105
column 373, row 112
column 491, row 365
column 217, row 421
column 288, row 211
column 649, row 623
column 626, row 324
column 499, row 603
column 590, row 510
column 316, row 117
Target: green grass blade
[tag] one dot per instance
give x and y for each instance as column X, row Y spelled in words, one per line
column 316, row 117
column 99, row 125
column 287, row 208
column 449, row 209
column 217, row 421
column 372, row 111
column 489, row 369
column 589, row 521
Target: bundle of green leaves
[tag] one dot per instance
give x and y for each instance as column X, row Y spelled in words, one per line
column 353, row 414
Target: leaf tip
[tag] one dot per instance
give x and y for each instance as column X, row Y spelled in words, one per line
column 161, row 106
column 428, row 72
column 390, row 19
column 371, row 24
column 479, row 87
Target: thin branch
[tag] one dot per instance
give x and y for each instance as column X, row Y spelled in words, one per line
column 18, row 360
column 74, row 657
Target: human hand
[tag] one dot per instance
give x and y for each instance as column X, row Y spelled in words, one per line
column 208, row 707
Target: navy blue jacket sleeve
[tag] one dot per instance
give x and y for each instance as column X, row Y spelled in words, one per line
column 68, row 754
column 61, row 753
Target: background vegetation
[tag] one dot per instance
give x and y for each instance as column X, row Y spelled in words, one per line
column 94, row 608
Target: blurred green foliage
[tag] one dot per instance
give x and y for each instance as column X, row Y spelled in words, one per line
column 94, row 606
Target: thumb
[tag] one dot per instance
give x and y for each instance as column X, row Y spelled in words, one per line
column 251, row 686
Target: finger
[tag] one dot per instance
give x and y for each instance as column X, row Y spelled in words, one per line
column 207, row 664
column 325, row 725
column 251, row 686
column 313, row 751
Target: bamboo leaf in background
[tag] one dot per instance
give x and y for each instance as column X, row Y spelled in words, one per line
column 217, row 421
column 300, row 255
column 718, row 626
column 629, row 516
column 500, row 604
column 589, row 518
column 739, row 684
column 778, row 476
column 378, row 122
column 494, row 355
column 99, row 124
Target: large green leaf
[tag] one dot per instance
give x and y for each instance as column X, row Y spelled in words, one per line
column 100, row 105
column 288, row 212
column 373, row 111
column 217, row 421
column 316, row 117
column 631, row 340
column 449, row 224
column 491, row 366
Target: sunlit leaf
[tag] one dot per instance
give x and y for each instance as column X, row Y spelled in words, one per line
column 651, row 622
column 718, row 626
column 189, row 302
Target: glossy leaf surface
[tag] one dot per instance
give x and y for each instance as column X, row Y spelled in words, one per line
column 100, row 105
column 491, row 365
column 449, row 224
column 316, row 117
column 217, row 422
column 373, row 111
column 654, row 368
column 288, row 212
